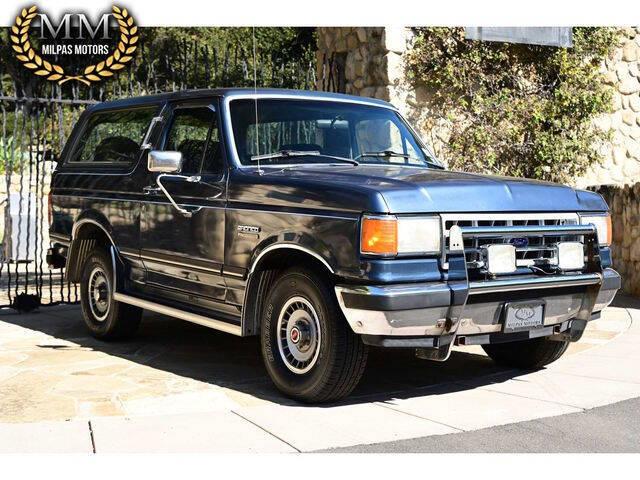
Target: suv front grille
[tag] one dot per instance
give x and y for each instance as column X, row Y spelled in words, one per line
column 530, row 251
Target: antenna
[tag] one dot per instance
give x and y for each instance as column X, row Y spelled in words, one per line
column 255, row 96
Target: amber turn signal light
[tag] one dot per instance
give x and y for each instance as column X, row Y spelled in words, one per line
column 379, row 236
column 609, row 230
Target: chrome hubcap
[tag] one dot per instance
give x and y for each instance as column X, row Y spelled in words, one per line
column 298, row 335
column 99, row 294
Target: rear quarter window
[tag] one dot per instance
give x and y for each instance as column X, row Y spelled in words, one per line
column 113, row 137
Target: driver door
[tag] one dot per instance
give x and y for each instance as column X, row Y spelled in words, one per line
column 183, row 253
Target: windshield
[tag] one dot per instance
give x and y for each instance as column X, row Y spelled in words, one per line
column 293, row 131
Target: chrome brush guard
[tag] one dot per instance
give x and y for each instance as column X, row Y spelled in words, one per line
column 462, row 287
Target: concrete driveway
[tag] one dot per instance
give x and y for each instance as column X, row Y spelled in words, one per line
column 179, row 387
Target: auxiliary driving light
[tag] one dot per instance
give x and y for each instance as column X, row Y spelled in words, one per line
column 499, row 258
column 570, row 255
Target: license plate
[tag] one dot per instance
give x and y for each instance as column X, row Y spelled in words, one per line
column 523, row 316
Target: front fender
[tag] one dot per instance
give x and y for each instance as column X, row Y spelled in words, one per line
column 332, row 237
column 258, row 281
column 301, row 242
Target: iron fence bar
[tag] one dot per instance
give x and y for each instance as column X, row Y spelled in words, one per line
column 21, row 166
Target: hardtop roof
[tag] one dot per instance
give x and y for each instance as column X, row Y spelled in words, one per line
column 236, row 92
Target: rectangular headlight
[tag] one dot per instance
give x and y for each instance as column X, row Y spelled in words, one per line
column 602, row 223
column 419, row 235
column 389, row 235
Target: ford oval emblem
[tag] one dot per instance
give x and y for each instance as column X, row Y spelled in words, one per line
column 520, row 242
column 524, row 313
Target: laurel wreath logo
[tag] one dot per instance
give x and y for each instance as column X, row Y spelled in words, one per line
column 123, row 54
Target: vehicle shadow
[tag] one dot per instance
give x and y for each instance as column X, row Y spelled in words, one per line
column 202, row 354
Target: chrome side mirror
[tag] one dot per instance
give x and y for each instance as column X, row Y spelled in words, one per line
column 164, row 162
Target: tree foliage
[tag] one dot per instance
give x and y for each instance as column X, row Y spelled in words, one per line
column 171, row 58
column 521, row 110
column 224, row 55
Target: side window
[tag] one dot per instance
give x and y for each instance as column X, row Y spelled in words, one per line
column 113, row 137
column 194, row 132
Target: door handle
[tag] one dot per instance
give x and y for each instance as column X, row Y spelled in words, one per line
column 150, row 189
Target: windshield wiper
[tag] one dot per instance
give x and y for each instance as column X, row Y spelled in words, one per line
column 389, row 153
column 301, row 153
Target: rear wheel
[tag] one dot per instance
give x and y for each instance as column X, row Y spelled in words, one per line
column 528, row 354
column 309, row 350
column 105, row 318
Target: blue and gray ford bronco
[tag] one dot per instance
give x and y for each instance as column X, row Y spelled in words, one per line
column 323, row 224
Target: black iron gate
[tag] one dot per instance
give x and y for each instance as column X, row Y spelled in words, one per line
column 33, row 131
column 37, row 116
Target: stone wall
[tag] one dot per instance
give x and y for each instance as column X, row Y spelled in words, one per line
column 625, row 217
column 370, row 63
column 364, row 61
column 621, row 164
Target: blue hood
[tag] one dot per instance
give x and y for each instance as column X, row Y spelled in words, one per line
column 399, row 189
column 418, row 190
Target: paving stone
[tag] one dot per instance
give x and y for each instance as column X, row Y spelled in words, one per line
column 104, row 370
column 89, row 388
column 53, row 357
column 8, row 372
column 100, row 408
column 26, row 397
column 9, row 358
column 187, row 402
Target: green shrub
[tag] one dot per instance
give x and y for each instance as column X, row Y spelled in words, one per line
column 521, row 110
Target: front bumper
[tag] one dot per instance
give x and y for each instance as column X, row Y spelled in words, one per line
column 406, row 312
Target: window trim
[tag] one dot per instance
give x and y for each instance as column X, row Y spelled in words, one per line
column 175, row 107
column 229, row 136
column 228, row 128
column 108, row 166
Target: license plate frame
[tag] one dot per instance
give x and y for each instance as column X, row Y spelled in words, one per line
column 530, row 319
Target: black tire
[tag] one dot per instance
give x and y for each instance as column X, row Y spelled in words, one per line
column 337, row 358
column 527, row 354
column 105, row 318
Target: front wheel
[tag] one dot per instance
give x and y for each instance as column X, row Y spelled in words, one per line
column 309, row 350
column 527, row 354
